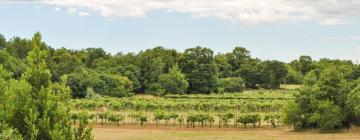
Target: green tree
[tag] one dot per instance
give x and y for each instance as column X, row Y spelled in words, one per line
column 154, row 62
column 251, row 72
column 305, row 64
column 199, row 67
column 62, row 62
column 92, row 54
column 273, row 73
column 38, row 106
column 321, row 103
column 2, row 42
column 18, row 47
column 353, row 100
column 12, row 64
column 224, row 67
column 327, row 116
column 174, row 81
column 239, row 57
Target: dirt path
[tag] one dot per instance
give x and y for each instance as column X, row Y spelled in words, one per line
column 168, row 133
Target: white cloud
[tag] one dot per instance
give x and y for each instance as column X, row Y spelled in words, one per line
column 82, row 13
column 71, row 10
column 249, row 12
column 57, row 9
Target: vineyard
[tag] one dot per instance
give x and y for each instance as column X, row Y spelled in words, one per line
column 253, row 107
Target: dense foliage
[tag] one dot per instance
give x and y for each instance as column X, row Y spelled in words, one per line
column 163, row 71
column 328, row 100
column 33, row 107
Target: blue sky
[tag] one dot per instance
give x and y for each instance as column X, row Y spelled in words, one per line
column 285, row 38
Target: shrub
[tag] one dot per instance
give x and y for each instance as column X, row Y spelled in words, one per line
column 174, row 81
column 246, row 119
column 155, row 89
column 116, row 118
column 328, row 116
column 10, row 134
column 272, row 118
column 225, row 118
column 231, row 84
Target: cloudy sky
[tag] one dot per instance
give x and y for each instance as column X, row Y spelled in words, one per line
column 270, row 29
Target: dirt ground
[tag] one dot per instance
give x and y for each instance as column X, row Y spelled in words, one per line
column 176, row 133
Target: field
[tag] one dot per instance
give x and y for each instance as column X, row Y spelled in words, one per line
column 257, row 108
column 252, row 114
column 149, row 133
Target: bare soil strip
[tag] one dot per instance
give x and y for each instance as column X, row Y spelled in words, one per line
column 107, row 132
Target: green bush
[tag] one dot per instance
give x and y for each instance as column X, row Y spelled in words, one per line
column 252, row 118
column 116, row 118
column 273, row 119
column 10, row 134
column 231, row 84
column 174, row 81
column 155, row 89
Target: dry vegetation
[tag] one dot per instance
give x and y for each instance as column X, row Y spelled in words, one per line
column 152, row 133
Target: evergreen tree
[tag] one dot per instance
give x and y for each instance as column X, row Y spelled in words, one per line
column 37, row 110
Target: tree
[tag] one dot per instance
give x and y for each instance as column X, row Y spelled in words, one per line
column 174, row 81
column 353, row 100
column 328, row 116
column 113, row 85
column 38, row 106
column 239, row 57
column 356, row 73
column 2, row 42
column 293, row 76
column 62, row 62
column 128, row 65
column 305, row 64
column 199, row 68
column 12, row 64
column 224, row 67
column 310, row 78
column 251, row 72
column 18, row 47
column 321, row 103
column 93, row 54
column 273, row 73
column 153, row 63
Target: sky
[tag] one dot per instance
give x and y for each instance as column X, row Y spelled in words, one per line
column 270, row 29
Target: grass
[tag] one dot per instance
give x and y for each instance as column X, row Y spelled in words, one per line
column 290, row 86
column 149, row 133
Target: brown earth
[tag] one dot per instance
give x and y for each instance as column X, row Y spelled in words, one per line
column 129, row 132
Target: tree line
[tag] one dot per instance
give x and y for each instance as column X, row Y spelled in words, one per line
column 93, row 71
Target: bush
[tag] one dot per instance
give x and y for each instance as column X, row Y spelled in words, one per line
column 225, row 118
column 174, row 81
column 292, row 115
column 10, row 134
column 246, row 119
column 272, row 118
column 86, row 83
column 155, row 89
column 231, row 84
column 116, row 118
column 82, row 130
column 113, row 85
column 328, row 116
